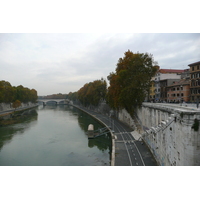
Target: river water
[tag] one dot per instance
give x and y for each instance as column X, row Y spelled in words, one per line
column 55, row 136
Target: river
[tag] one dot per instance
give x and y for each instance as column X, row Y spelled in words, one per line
column 54, row 136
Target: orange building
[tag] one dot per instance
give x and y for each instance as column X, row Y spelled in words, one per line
column 195, row 81
column 179, row 91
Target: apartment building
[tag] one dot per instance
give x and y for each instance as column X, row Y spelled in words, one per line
column 179, row 91
column 195, row 81
column 163, row 88
column 164, row 74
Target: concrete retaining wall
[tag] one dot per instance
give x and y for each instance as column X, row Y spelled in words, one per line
column 8, row 106
column 169, row 134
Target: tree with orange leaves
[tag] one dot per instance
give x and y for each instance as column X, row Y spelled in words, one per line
column 131, row 81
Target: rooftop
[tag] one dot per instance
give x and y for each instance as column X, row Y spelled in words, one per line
column 196, row 63
column 165, row 71
column 181, row 82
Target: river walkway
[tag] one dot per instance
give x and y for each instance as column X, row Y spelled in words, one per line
column 18, row 109
column 127, row 148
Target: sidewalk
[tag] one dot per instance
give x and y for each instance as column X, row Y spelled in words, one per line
column 18, row 109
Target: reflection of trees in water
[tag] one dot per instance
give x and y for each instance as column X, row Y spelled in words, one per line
column 83, row 119
column 23, row 123
column 103, row 142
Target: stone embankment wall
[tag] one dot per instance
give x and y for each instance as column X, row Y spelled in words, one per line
column 8, row 106
column 172, row 134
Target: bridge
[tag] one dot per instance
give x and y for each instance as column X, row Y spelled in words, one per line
column 53, row 101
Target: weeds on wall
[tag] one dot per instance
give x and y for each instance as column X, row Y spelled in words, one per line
column 195, row 126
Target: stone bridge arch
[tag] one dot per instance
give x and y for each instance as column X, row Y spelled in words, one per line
column 53, row 101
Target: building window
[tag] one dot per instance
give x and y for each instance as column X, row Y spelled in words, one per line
column 182, row 94
column 192, row 68
column 192, row 98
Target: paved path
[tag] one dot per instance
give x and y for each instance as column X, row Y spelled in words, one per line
column 18, row 109
column 128, row 150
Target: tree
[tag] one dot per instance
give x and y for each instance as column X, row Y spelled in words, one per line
column 72, row 96
column 6, row 92
column 131, row 81
column 91, row 93
column 33, row 95
column 16, row 104
column 9, row 93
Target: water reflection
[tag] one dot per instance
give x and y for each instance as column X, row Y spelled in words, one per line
column 8, row 132
column 103, row 142
column 56, row 137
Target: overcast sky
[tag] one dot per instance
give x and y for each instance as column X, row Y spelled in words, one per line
column 60, row 63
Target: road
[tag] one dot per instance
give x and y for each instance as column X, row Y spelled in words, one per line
column 128, row 151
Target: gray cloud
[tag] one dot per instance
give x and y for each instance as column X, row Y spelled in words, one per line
column 53, row 63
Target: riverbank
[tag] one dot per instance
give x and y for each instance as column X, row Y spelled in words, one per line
column 16, row 116
column 112, row 162
column 127, row 148
column 7, row 107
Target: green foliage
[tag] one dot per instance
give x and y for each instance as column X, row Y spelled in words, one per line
column 130, row 83
column 72, row 96
column 195, row 126
column 91, row 93
column 9, row 93
column 54, row 96
column 6, row 92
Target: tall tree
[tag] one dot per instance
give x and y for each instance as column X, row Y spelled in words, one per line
column 9, row 93
column 91, row 93
column 131, row 81
column 6, row 92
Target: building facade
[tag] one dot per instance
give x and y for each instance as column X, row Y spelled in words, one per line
column 163, row 88
column 179, row 92
column 163, row 74
column 195, row 81
column 152, row 90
